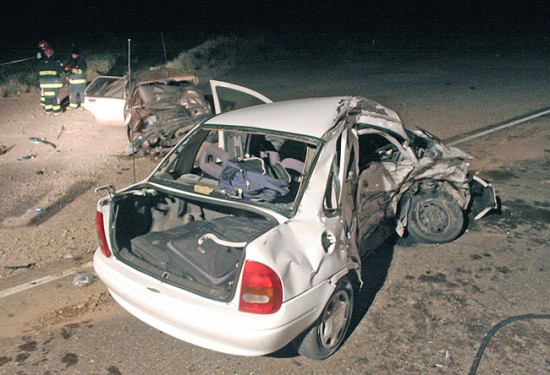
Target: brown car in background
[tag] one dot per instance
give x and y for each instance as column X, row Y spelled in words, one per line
column 157, row 106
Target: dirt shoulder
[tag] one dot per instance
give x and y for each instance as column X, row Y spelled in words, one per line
column 56, row 179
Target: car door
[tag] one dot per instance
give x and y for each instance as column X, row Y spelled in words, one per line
column 339, row 205
column 348, row 175
column 383, row 164
column 105, row 98
column 228, row 96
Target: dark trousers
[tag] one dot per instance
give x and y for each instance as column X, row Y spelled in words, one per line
column 76, row 94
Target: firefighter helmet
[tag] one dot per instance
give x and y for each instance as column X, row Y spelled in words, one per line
column 43, row 44
column 48, row 52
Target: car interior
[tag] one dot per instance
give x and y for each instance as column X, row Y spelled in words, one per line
column 278, row 157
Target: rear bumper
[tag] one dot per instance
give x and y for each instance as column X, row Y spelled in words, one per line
column 210, row 324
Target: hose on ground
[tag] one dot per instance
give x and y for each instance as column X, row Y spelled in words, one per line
column 492, row 331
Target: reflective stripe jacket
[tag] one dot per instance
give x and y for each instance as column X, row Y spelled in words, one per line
column 78, row 75
column 50, row 71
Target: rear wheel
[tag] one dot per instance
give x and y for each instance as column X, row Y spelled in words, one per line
column 327, row 334
column 434, row 217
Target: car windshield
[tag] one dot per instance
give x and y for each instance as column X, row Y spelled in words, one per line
column 248, row 165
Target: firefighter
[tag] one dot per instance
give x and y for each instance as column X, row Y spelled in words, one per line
column 76, row 69
column 42, row 45
column 51, row 81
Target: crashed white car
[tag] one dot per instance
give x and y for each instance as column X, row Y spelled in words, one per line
column 157, row 107
column 249, row 235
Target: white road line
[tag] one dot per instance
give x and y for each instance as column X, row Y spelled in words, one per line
column 43, row 280
column 505, row 125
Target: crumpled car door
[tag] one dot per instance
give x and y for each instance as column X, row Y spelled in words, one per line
column 375, row 186
column 340, row 199
column 380, row 179
column 349, row 171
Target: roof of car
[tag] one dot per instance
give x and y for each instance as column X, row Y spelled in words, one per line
column 311, row 117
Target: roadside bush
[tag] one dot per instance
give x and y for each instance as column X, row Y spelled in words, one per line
column 209, row 59
column 14, row 83
column 98, row 64
column 215, row 56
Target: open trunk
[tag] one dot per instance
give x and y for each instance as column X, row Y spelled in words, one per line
column 190, row 244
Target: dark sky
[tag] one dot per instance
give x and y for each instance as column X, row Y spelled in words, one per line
column 26, row 21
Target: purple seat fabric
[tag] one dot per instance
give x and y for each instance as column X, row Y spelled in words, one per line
column 208, row 160
column 294, row 164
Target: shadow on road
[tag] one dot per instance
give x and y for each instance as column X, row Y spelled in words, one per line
column 77, row 189
column 374, row 272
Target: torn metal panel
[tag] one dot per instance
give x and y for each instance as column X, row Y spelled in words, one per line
column 376, row 115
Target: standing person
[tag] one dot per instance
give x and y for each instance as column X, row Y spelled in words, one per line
column 50, row 81
column 76, row 68
column 42, row 45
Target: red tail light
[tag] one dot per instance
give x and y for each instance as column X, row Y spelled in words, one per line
column 103, row 246
column 261, row 289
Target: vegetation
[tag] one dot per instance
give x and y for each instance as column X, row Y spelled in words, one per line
column 211, row 58
column 215, row 56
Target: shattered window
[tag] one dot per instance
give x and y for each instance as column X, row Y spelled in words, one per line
column 211, row 160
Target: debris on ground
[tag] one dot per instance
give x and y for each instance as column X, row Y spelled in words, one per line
column 83, row 279
column 19, row 266
column 36, row 140
column 27, row 157
column 60, row 131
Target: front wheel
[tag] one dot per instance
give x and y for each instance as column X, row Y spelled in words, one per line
column 434, row 217
column 328, row 333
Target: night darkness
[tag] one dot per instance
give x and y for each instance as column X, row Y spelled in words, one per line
column 26, row 22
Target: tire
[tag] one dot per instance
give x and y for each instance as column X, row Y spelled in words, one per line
column 434, row 217
column 327, row 334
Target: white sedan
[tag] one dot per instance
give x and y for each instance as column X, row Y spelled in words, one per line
column 249, row 235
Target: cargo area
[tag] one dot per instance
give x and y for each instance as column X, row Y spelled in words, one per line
column 186, row 243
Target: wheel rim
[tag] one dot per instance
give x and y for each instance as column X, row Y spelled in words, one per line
column 433, row 217
column 335, row 320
